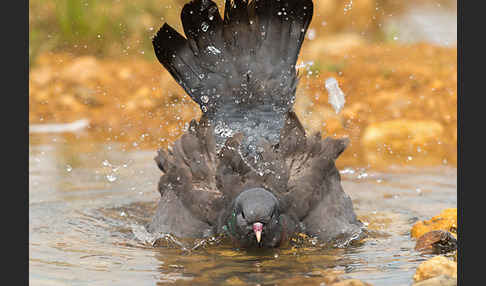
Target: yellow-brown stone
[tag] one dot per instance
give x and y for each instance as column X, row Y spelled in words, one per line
column 401, row 134
column 350, row 282
column 436, row 241
column 446, row 220
column 384, row 83
column 436, row 266
column 441, row 280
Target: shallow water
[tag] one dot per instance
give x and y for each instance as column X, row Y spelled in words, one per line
column 85, row 198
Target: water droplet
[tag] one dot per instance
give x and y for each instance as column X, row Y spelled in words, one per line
column 348, row 171
column 214, row 50
column 111, row 177
column 348, row 6
column 69, row 168
column 204, row 99
column 106, row 163
column 336, row 96
column 204, row 26
column 363, row 175
column 311, row 34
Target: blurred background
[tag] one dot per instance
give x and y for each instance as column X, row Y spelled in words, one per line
column 93, row 71
column 100, row 104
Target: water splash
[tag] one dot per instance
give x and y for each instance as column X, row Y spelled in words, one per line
column 167, row 240
column 336, row 95
column 111, row 177
column 112, row 173
column 213, row 50
column 348, row 6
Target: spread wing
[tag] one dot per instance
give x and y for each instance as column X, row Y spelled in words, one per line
column 299, row 170
column 189, row 170
column 314, row 192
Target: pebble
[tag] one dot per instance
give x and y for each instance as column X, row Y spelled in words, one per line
column 436, row 242
column 348, row 282
column 441, row 280
column 436, row 266
column 446, row 220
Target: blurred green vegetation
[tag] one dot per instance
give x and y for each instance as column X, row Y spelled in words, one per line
column 115, row 28
column 100, row 28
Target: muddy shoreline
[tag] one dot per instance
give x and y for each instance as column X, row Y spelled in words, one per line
column 401, row 100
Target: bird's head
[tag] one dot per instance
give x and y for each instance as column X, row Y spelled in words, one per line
column 255, row 220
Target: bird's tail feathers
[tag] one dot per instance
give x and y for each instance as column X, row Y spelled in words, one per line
column 246, row 58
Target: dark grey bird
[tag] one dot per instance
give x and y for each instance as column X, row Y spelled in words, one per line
column 247, row 169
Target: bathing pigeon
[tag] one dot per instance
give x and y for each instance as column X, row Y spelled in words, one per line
column 247, row 169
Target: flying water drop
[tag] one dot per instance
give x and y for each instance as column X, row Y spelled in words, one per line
column 213, row 50
column 336, row 95
column 111, row 177
column 204, row 26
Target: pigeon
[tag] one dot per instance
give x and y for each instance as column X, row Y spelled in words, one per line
column 247, row 169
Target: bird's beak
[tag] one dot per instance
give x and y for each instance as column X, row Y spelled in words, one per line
column 257, row 228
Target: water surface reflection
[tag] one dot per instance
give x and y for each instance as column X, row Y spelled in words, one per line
column 85, row 198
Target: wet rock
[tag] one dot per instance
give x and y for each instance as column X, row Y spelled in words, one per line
column 447, row 221
column 436, row 266
column 330, row 279
column 436, row 242
column 235, row 281
column 70, row 102
column 334, row 278
column 441, row 280
column 349, row 282
column 87, row 96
